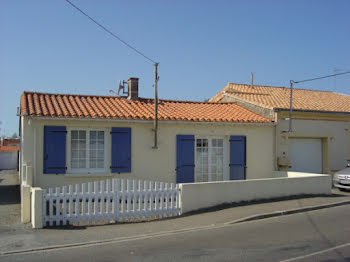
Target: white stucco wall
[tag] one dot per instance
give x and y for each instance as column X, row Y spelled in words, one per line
column 8, row 159
column 333, row 129
column 148, row 163
column 196, row 196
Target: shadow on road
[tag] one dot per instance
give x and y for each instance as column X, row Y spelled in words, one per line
column 9, row 194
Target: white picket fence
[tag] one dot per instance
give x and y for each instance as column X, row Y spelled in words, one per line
column 109, row 201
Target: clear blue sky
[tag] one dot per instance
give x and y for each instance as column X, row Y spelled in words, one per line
column 201, row 45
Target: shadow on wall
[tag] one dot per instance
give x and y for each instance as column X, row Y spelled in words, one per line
column 9, row 194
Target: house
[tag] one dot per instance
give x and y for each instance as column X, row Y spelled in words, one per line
column 69, row 139
column 319, row 141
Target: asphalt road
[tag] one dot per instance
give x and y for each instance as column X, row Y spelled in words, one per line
column 322, row 235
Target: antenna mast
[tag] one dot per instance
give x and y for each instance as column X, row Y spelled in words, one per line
column 252, row 80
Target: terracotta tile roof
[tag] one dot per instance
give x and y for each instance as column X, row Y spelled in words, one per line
column 278, row 97
column 9, row 148
column 112, row 107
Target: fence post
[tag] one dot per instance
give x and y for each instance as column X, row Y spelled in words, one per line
column 116, row 199
column 25, row 204
column 37, row 207
column 179, row 198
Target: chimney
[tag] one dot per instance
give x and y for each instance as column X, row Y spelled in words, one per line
column 133, row 84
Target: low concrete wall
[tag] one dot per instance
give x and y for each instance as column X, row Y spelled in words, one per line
column 196, row 196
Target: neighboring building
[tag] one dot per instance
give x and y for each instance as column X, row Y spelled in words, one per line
column 320, row 137
column 10, row 141
column 8, row 156
column 69, row 139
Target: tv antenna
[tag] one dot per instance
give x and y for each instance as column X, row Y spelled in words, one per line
column 121, row 86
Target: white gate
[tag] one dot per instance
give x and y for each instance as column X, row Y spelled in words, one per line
column 109, row 201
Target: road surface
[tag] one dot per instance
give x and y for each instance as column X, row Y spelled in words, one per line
column 322, row 235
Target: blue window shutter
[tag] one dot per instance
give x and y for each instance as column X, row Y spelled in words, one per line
column 121, row 149
column 184, row 158
column 237, row 157
column 55, row 149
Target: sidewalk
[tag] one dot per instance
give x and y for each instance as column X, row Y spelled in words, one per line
column 10, row 202
column 21, row 237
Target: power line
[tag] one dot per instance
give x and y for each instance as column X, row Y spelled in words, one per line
column 322, row 77
column 302, row 81
column 110, row 32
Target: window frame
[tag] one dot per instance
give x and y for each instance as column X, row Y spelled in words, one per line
column 86, row 170
column 225, row 176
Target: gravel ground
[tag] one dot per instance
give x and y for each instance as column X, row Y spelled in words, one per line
column 10, row 200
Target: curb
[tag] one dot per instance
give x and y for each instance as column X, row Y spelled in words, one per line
column 287, row 212
column 110, row 241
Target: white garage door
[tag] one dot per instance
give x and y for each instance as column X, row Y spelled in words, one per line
column 305, row 154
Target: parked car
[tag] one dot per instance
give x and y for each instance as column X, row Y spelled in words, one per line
column 341, row 179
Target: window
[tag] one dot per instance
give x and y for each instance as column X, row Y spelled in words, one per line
column 209, row 159
column 86, row 150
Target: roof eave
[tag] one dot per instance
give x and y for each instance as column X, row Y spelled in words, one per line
column 276, row 109
column 272, row 123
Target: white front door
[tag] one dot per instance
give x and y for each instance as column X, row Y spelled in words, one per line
column 305, row 154
column 209, row 161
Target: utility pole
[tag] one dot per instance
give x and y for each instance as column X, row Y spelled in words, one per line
column 292, row 82
column 290, row 106
column 155, row 123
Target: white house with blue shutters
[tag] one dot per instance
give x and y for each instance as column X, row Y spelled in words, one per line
column 68, row 139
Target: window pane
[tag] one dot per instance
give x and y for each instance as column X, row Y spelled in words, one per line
column 96, row 149
column 74, row 134
column 82, row 135
column 92, row 164
column 75, row 154
column 74, row 145
column 93, row 154
column 92, row 144
column 220, row 142
column 205, row 142
column 82, row 163
column 81, row 154
column 100, row 163
column 100, row 144
column 100, row 154
column 82, row 144
column 74, row 163
column 101, row 135
column 92, row 135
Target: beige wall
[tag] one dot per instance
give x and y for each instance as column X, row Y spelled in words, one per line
column 148, row 163
column 196, row 196
column 333, row 129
